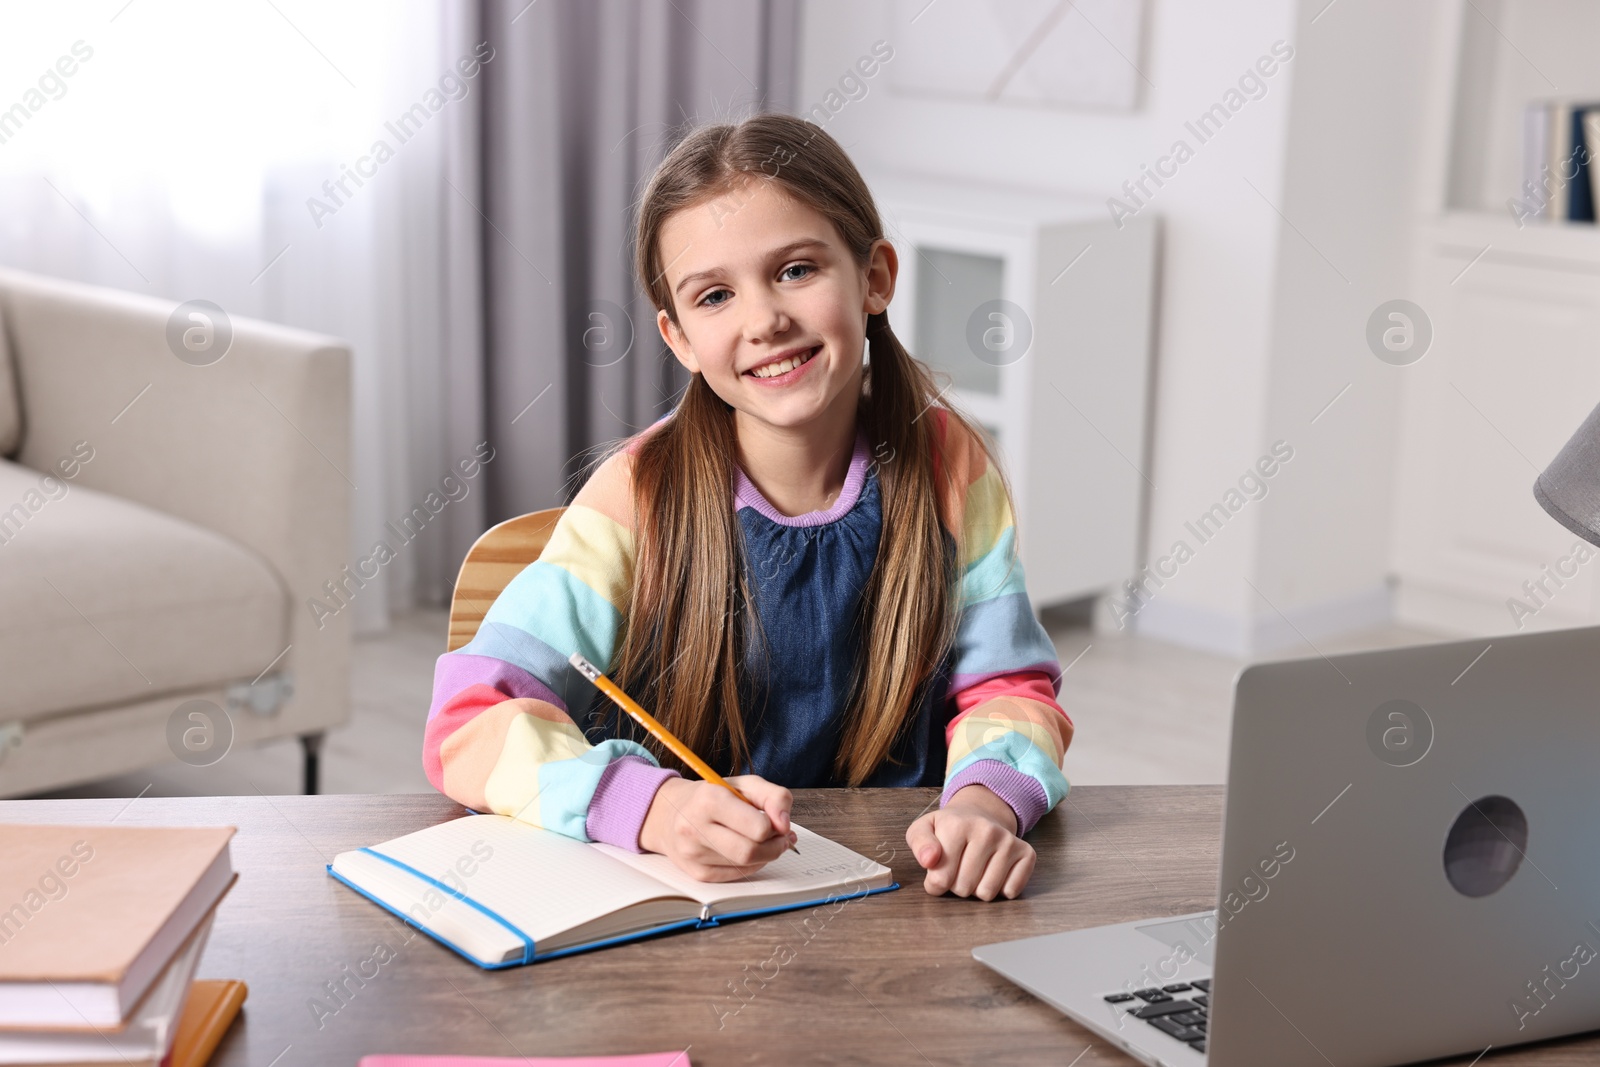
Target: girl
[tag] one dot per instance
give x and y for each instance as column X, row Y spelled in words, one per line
column 807, row 571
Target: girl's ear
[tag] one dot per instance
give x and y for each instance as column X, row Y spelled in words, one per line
column 673, row 335
column 883, row 265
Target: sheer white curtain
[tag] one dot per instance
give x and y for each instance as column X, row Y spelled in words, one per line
column 448, row 185
column 230, row 151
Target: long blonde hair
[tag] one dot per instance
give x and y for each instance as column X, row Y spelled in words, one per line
column 690, row 610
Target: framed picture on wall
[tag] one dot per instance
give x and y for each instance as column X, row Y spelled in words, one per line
column 1050, row 53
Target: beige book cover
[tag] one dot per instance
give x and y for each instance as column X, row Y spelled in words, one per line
column 90, row 915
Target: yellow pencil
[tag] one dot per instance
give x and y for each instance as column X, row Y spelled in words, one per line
column 659, row 732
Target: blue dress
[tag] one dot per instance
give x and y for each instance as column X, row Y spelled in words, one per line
column 808, row 574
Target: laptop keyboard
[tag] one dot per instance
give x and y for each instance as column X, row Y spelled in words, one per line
column 1178, row 1010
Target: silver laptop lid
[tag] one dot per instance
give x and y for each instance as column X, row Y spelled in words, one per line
column 1411, row 853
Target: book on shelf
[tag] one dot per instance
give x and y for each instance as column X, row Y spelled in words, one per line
column 1591, row 136
column 504, row 893
column 1579, row 196
column 1560, row 140
column 1535, row 158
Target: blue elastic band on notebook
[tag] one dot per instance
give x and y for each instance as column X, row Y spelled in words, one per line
column 413, row 924
column 717, row 920
column 527, row 942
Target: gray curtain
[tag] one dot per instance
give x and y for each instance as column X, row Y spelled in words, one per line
column 551, row 341
column 548, row 350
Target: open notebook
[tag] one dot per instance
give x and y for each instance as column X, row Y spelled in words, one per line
column 503, row 892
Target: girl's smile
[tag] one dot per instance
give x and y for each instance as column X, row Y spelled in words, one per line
column 785, row 367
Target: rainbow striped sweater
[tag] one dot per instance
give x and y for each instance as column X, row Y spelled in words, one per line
column 504, row 733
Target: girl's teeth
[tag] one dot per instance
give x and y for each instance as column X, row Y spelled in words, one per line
column 783, row 366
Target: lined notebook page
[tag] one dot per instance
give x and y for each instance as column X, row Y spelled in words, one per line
column 540, row 881
column 821, row 866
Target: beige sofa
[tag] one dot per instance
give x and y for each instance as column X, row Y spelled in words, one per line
column 162, row 527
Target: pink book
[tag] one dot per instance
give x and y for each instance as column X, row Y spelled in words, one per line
column 648, row 1059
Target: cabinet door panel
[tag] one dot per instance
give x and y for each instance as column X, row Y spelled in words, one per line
column 1511, row 373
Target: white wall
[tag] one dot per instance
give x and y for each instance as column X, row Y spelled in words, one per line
column 1353, row 183
column 1254, row 331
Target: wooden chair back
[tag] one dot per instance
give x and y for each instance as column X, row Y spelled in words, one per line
column 495, row 558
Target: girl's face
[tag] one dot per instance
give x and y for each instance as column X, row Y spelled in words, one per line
column 772, row 308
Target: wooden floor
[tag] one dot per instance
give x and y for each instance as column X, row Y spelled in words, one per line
column 1146, row 712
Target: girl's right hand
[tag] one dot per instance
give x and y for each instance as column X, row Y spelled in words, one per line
column 712, row 835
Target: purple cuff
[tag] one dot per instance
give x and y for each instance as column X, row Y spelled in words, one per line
column 622, row 800
column 1022, row 791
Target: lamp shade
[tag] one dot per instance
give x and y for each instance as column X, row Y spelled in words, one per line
column 1569, row 489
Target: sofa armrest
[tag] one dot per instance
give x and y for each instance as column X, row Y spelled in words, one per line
column 255, row 446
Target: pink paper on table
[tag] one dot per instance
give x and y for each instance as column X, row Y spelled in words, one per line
column 648, row 1059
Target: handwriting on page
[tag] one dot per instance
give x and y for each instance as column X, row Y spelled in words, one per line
column 832, row 868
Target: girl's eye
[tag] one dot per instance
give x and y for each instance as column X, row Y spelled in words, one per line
column 706, row 301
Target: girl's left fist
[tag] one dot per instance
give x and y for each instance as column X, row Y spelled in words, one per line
column 970, row 847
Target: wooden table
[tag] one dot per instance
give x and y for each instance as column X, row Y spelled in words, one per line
column 887, row 979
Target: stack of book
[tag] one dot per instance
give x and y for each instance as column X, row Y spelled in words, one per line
column 101, row 930
column 1560, row 139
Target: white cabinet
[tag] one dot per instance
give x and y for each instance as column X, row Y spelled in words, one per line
column 1513, row 370
column 1038, row 308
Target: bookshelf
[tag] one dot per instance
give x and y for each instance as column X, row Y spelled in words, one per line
column 1505, row 56
column 1038, row 309
column 1515, row 311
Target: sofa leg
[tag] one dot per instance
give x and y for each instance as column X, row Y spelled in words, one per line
column 312, row 745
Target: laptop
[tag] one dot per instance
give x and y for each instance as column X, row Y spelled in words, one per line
column 1410, row 869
